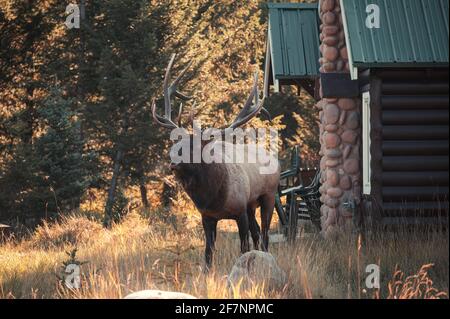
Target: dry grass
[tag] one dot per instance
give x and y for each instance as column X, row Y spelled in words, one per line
column 146, row 253
column 71, row 229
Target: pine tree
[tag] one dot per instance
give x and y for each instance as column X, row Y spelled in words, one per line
column 65, row 93
column 125, row 58
column 62, row 161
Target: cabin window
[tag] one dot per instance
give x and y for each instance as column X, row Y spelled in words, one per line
column 366, row 142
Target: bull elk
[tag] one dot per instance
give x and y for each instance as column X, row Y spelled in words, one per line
column 224, row 190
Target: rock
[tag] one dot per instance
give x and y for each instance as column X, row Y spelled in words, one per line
column 331, row 40
column 323, row 165
column 328, row 67
column 343, row 117
column 330, row 53
column 347, row 151
column 332, row 162
column 331, row 202
column 331, row 114
column 329, row 18
column 330, row 30
column 351, row 166
column 255, row 268
column 331, row 218
column 352, row 121
column 332, row 177
column 344, row 53
column 349, row 137
column 320, row 105
column 331, row 128
column 323, row 176
column 333, row 153
column 345, row 182
column 347, row 66
column 158, row 294
column 324, row 210
column 347, row 104
column 328, row 5
column 334, row 192
column 332, row 140
column 332, row 100
column 340, row 20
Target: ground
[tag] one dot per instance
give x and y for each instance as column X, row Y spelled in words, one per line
column 151, row 251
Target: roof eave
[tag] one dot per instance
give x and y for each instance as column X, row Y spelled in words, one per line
column 366, row 65
column 292, row 5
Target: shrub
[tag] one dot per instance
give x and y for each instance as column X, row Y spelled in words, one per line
column 69, row 230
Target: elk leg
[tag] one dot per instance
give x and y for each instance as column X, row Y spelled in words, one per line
column 267, row 206
column 243, row 226
column 210, row 227
column 254, row 228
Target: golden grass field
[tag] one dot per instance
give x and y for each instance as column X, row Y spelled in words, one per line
column 149, row 251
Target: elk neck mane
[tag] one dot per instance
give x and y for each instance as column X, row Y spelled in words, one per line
column 206, row 184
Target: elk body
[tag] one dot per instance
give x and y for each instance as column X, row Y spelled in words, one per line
column 221, row 189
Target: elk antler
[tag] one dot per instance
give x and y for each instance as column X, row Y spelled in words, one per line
column 166, row 120
column 250, row 110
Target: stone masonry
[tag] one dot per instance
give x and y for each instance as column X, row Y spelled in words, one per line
column 340, row 131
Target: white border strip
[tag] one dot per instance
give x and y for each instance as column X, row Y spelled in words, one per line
column 276, row 84
column 367, row 172
column 353, row 69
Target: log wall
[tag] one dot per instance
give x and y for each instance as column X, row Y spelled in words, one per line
column 410, row 136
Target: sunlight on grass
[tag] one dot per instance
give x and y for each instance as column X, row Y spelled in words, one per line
column 142, row 253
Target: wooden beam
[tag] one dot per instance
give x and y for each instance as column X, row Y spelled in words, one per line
column 308, row 85
column 335, row 85
column 417, row 148
column 401, row 221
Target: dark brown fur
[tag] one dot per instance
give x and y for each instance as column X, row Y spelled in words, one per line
column 208, row 185
column 205, row 184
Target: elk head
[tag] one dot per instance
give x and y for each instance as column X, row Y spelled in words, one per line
column 252, row 107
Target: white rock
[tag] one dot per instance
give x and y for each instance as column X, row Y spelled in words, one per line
column 255, row 268
column 158, row 294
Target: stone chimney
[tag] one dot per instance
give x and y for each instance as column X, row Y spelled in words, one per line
column 340, row 131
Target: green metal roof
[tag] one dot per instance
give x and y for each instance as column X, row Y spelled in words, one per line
column 293, row 40
column 412, row 33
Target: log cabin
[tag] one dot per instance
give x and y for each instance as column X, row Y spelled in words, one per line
column 379, row 73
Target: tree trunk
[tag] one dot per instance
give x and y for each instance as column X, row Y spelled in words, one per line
column 112, row 189
column 143, row 190
column 142, row 187
column 167, row 194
